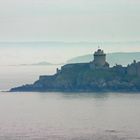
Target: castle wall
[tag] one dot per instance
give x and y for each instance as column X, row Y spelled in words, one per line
column 44, row 77
column 131, row 70
column 134, row 69
column 138, row 69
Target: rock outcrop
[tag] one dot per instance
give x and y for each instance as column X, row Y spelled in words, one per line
column 81, row 77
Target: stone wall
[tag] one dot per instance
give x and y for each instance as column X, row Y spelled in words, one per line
column 134, row 69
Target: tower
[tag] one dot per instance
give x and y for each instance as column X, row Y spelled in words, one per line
column 99, row 59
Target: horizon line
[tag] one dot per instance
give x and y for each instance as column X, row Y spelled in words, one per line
column 70, row 42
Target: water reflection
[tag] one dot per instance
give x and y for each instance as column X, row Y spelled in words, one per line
column 75, row 95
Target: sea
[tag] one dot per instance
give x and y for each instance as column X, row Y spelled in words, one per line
column 64, row 116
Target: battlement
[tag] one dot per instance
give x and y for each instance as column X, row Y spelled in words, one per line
column 99, row 52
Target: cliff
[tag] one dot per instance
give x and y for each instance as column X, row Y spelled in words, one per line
column 81, row 77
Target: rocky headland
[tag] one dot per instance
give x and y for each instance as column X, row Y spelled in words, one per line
column 88, row 77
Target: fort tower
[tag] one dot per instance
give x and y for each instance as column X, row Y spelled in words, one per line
column 99, row 59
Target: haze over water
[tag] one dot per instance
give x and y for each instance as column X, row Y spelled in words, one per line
column 13, row 56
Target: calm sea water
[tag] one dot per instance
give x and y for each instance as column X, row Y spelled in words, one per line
column 69, row 116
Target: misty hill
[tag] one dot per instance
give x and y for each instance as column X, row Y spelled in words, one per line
column 123, row 58
column 44, row 63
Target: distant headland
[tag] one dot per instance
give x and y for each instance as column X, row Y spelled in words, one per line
column 96, row 75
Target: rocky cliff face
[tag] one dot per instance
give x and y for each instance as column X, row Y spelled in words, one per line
column 80, row 77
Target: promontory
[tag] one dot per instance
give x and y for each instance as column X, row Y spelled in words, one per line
column 96, row 75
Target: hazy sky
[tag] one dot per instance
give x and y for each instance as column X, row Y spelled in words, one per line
column 66, row 21
column 69, row 20
column 26, row 53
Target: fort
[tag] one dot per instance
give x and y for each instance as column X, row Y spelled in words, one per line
column 98, row 62
column 96, row 75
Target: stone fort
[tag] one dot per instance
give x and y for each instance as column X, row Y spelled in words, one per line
column 99, row 62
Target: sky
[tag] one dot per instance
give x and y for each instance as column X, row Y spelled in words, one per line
column 66, row 21
column 69, row 20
